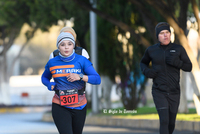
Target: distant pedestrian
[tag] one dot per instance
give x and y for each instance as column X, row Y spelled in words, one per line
column 167, row 59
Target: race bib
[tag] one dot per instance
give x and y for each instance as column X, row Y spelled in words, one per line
column 68, row 97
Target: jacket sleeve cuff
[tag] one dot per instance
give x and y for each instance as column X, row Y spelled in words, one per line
column 145, row 71
column 51, row 84
column 180, row 64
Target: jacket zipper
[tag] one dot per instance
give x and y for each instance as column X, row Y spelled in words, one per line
column 165, row 68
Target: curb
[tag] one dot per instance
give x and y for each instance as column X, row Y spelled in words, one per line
column 10, row 110
column 132, row 123
column 141, row 123
column 22, row 109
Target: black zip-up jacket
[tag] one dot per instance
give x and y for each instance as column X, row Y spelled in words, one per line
column 168, row 76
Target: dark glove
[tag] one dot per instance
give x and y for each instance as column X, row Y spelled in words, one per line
column 174, row 61
column 150, row 73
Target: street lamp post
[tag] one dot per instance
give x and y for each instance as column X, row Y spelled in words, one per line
column 93, row 48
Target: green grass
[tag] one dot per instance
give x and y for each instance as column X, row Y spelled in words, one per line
column 188, row 117
column 146, row 113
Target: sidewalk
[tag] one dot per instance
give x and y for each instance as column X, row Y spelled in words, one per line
column 108, row 120
column 132, row 123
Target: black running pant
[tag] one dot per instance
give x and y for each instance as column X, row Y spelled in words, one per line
column 167, row 121
column 68, row 121
column 167, row 108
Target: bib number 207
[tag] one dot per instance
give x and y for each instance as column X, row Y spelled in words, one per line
column 69, row 99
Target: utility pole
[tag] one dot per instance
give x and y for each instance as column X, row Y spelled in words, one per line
column 93, row 52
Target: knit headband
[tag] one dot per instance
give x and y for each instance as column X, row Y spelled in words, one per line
column 162, row 26
column 65, row 36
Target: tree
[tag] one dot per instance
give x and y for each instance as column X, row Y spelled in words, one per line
column 9, row 27
column 13, row 15
column 175, row 17
column 116, row 20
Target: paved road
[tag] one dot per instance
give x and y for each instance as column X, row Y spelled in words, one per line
column 30, row 123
